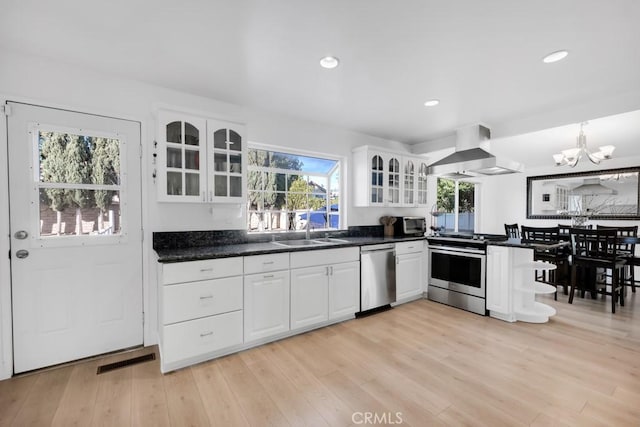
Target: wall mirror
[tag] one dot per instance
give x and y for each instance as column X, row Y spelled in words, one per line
column 604, row 194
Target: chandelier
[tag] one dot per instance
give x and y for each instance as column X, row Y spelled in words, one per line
column 571, row 156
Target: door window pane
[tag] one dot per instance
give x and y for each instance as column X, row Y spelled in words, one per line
column 66, row 208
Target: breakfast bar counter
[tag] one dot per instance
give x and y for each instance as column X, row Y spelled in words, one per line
column 511, row 285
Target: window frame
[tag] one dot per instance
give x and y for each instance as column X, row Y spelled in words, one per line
column 338, row 168
column 456, row 209
column 69, row 240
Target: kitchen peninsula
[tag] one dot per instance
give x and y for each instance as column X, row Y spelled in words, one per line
column 511, row 285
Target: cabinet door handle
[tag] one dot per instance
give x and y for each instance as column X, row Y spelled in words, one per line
column 268, row 276
column 267, row 262
column 202, row 270
column 203, row 197
column 206, row 297
column 210, row 195
column 206, row 334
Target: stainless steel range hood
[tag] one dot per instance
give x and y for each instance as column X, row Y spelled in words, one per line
column 469, row 160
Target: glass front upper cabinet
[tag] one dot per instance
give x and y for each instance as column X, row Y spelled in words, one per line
column 226, row 176
column 199, row 160
column 180, row 172
column 409, row 183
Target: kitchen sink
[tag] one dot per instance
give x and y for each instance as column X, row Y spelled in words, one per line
column 331, row 240
column 299, row 243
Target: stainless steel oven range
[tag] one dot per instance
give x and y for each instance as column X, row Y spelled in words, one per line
column 457, row 270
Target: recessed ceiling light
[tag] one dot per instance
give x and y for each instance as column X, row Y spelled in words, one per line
column 432, row 103
column 555, row 56
column 329, row 62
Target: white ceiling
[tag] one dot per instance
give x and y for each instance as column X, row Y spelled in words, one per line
column 482, row 59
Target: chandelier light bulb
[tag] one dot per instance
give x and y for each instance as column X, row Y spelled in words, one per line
column 571, row 156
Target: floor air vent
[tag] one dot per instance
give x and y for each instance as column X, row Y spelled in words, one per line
column 124, row 363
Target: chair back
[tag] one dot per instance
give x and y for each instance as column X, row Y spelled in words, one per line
column 540, row 234
column 594, row 245
column 512, row 231
column 563, row 232
column 630, row 231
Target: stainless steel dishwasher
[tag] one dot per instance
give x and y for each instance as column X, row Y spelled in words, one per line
column 377, row 276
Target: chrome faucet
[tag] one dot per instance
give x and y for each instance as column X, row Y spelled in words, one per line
column 307, row 226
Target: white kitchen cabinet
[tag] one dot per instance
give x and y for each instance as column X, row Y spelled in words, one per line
column 226, row 160
column 266, row 302
column 421, row 182
column 499, row 278
column 511, row 285
column 200, row 308
column 181, row 157
column 199, row 160
column 378, row 173
column 325, row 286
column 389, row 179
column 414, row 172
column 266, row 296
column 344, row 289
column 410, row 270
column 309, row 296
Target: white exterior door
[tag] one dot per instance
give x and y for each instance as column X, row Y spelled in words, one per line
column 76, row 250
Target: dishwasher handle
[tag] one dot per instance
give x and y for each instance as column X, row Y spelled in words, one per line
column 377, row 248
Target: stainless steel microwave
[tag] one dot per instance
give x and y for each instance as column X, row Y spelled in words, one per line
column 410, row 226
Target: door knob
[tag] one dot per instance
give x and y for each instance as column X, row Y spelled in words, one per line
column 21, row 235
column 22, row 253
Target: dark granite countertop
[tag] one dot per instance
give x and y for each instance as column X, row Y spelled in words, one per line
column 528, row 244
column 194, row 253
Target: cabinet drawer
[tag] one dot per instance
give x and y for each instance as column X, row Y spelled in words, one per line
column 201, row 336
column 324, row 257
column 191, row 271
column 409, row 247
column 199, row 299
column 263, row 263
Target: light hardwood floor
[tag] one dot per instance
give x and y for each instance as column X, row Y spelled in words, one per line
column 420, row 364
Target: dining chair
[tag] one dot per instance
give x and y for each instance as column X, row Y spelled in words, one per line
column 559, row 257
column 593, row 250
column 626, row 250
column 512, row 231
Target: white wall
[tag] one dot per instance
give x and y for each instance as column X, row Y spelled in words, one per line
column 45, row 82
column 503, row 198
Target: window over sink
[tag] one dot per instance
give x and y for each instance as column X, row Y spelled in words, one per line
column 287, row 191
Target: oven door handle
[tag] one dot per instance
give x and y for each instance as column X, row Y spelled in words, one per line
column 452, row 251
